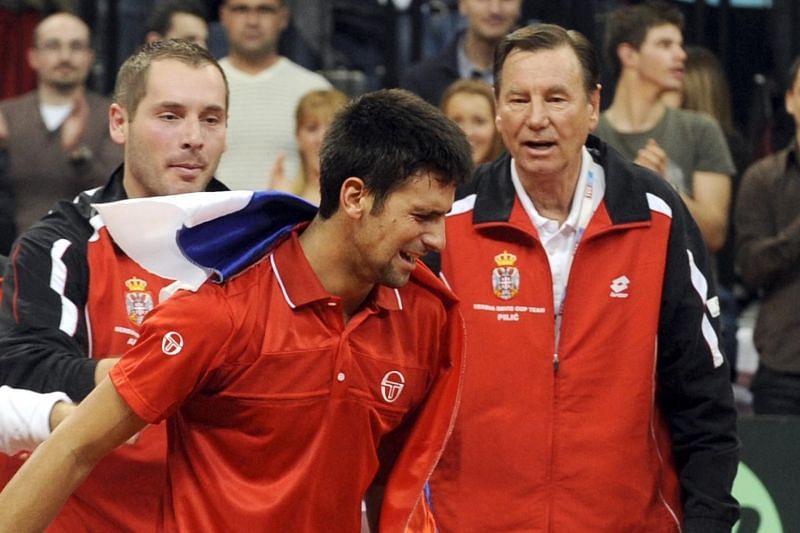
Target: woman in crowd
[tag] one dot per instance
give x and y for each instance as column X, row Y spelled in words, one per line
column 314, row 114
column 470, row 103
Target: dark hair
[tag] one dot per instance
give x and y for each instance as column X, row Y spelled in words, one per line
column 384, row 138
column 132, row 77
column 630, row 25
column 549, row 37
column 160, row 20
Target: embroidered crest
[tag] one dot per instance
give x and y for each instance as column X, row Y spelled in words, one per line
column 505, row 276
column 392, row 385
column 138, row 300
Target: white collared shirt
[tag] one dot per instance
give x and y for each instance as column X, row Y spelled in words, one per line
column 559, row 242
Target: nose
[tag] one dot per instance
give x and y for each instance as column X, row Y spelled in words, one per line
column 434, row 238
column 192, row 133
column 537, row 116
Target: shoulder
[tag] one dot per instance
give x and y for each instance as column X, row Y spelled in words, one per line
column 23, row 102
column 695, row 122
column 769, row 168
column 286, row 66
column 68, row 224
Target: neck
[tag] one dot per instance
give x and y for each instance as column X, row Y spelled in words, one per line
column 552, row 195
column 253, row 64
column 637, row 106
column 479, row 51
column 330, row 264
column 56, row 96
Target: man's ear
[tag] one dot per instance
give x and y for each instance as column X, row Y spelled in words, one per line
column 627, row 54
column 353, row 197
column 117, row 121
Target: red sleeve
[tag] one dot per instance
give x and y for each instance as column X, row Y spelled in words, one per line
column 182, row 341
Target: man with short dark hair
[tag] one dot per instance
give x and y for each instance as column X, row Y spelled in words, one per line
column 73, row 302
column 324, row 371
column 644, row 45
column 767, row 255
column 178, row 19
column 596, row 398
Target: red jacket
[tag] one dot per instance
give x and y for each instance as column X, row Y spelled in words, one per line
column 579, row 442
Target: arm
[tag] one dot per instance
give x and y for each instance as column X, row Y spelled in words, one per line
column 709, row 203
column 709, row 207
column 34, row 496
column 43, row 334
column 765, row 253
column 694, row 392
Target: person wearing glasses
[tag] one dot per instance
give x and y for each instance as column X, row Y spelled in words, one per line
column 56, row 136
column 265, row 90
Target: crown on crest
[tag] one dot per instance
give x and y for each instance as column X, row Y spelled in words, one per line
column 136, row 285
column 505, row 259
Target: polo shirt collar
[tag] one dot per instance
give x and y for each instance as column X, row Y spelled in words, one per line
column 300, row 285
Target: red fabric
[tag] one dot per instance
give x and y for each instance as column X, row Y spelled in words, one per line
column 581, row 449
column 277, row 408
column 124, row 491
column 16, row 76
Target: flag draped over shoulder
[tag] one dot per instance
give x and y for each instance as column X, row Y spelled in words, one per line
column 196, row 236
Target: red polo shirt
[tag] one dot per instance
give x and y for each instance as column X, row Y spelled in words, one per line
column 277, row 410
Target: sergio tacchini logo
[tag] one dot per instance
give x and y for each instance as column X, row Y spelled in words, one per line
column 172, row 343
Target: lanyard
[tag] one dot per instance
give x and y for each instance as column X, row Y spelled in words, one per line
column 584, row 216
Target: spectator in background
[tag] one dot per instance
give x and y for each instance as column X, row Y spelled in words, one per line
column 265, row 90
column 178, row 19
column 705, row 89
column 73, row 302
column 768, row 260
column 58, row 142
column 470, row 54
column 644, row 46
column 314, row 114
column 470, row 103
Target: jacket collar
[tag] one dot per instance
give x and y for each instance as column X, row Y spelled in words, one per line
column 625, row 197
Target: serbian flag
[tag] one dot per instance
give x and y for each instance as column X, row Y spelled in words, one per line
column 204, row 235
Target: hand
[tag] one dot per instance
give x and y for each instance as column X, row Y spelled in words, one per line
column 277, row 179
column 74, row 127
column 652, row 156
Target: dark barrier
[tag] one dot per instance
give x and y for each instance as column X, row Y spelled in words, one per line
column 768, row 482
